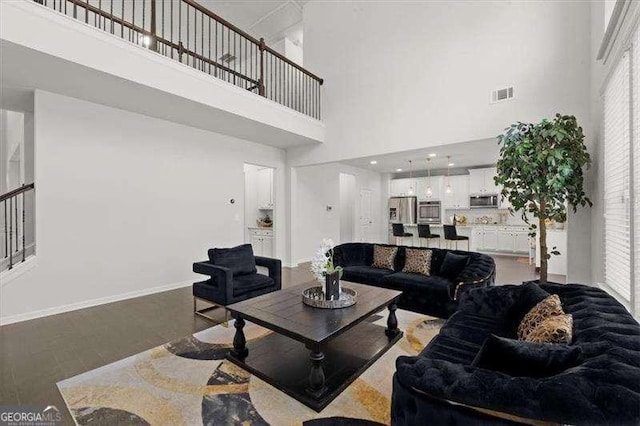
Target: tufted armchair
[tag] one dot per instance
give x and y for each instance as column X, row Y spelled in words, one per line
column 233, row 277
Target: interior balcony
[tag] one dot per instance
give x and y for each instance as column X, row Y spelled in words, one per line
column 173, row 60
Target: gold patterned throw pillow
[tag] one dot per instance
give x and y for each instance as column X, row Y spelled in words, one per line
column 383, row 257
column 548, row 307
column 555, row 329
column 418, row 261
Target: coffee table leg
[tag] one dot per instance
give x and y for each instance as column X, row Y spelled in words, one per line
column 239, row 342
column 316, row 375
column 392, row 322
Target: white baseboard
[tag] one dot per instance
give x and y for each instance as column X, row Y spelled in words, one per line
column 89, row 303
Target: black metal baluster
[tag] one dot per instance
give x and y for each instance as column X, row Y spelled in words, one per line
column 111, row 13
column 122, row 17
column 202, row 39
column 215, row 70
column 24, row 250
column 209, row 24
column 86, row 13
column 144, row 14
column 6, row 231
column 171, row 28
column 228, row 52
column 15, row 207
column 10, row 234
column 133, row 21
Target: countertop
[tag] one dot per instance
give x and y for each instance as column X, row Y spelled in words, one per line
column 471, row 225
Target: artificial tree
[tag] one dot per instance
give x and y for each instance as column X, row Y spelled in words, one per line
column 541, row 172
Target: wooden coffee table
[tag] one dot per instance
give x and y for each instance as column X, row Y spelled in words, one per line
column 314, row 353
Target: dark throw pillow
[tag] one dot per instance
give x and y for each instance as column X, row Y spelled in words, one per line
column 452, row 265
column 530, row 295
column 239, row 259
column 526, row 359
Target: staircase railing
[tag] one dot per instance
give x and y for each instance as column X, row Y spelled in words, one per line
column 15, row 232
column 188, row 32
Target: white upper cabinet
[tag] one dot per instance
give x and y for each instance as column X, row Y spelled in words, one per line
column 481, row 181
column 458, row 198
column 421, row 188
column 402, row 187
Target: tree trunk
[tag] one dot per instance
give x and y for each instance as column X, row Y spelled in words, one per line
column 543, row 244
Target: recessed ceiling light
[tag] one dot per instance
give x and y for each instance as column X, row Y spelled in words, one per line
column 432, row 155
column 451, row 164
column 398, row 170
column 373, row 162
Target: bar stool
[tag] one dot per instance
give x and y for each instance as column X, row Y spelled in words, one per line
column 450, row 234
column 398, row 232
column 424, row 231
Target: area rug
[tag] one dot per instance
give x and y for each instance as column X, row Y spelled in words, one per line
column 189, row 382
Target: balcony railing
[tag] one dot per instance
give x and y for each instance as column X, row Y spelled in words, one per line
column 17, row 204
column 186, row 31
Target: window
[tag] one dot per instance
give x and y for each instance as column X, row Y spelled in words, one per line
column 617, row 261
column 622, row 177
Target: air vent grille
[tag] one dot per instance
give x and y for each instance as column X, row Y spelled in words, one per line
column 502, row 95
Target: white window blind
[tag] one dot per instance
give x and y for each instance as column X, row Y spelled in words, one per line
column 617, row 208
column 635, row 71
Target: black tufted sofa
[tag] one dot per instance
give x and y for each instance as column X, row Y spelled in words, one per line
column 442, row 386
column 433, row 295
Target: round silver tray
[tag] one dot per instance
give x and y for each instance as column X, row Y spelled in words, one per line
column 314, row 296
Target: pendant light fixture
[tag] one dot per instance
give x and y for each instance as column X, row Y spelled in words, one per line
column 411, row 191
column 429, row 190
column 448, row 190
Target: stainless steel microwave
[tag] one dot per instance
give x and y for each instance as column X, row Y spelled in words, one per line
column 483, row 201
column 429, row 212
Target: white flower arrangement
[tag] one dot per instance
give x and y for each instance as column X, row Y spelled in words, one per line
column 322, row 261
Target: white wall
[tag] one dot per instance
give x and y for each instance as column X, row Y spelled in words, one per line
column 426, row 79
column 317, row 187
column 126, row 203
column 419, row 74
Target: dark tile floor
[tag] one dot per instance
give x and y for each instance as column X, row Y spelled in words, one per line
column 37, row 354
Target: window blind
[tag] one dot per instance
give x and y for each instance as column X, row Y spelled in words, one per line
column 617, row 208
column 635, row 71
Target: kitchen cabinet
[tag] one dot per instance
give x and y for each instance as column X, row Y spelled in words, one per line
column 481, row 181
column 436, row 188
column 262, row 242
column 265, row 188
column 401, row 187
column 484, row 238
column 505, row 240
column 458, row 198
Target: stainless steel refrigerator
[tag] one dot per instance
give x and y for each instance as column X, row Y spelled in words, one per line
column 403, row 210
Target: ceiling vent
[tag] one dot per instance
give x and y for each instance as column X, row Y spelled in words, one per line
column 227, row 58
column 501, row 95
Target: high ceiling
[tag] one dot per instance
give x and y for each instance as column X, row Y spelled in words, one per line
column 271, row 19
column 463, row 155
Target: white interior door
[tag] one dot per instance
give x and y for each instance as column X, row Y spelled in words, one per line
column 366, row 220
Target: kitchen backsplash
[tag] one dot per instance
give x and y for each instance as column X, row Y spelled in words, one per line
column 500, row 216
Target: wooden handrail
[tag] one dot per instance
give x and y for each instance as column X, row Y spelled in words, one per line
column 17, row 191
column 276, row 77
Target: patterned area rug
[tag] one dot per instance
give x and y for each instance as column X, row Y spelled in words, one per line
column 189, row 382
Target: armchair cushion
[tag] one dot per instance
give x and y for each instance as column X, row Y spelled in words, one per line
column 525, row 359
column 239, row 259
column 527, row 296
column 244, row 284
column 452, row 265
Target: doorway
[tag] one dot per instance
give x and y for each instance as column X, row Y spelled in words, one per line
column 347, row 207
column 259, row 208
